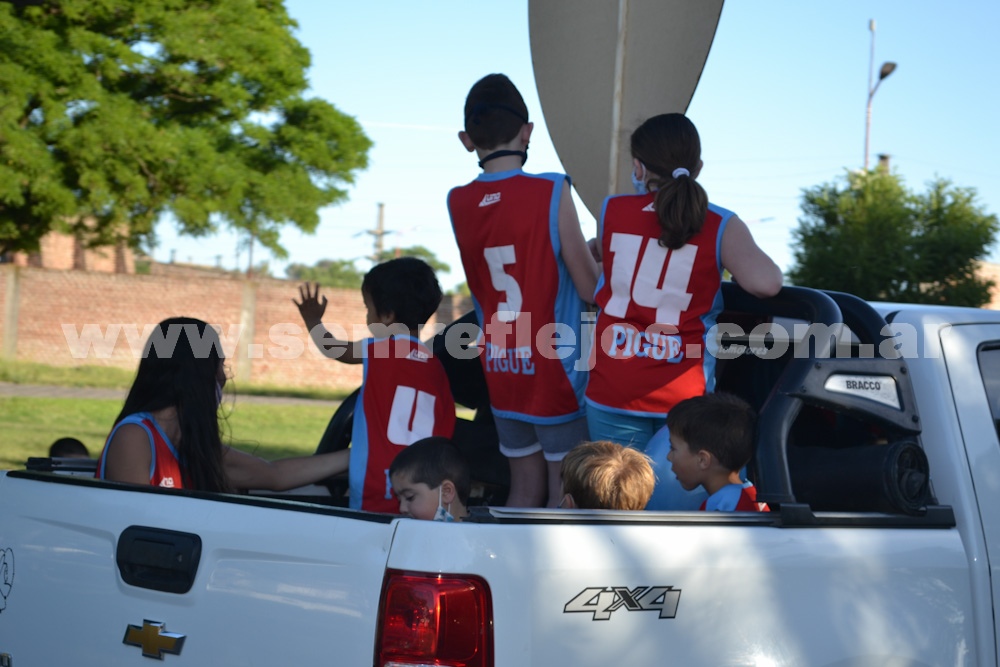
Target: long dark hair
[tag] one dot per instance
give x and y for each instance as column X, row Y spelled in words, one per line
column 664, row 143
column 179, row 368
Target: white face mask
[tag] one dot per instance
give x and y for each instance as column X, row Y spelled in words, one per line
column 442, row 514
column 639, row 183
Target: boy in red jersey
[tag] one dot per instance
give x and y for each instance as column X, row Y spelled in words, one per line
column 711, row 440
column 529, row 270
column 405, row 395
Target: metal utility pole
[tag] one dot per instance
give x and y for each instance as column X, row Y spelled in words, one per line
column 886, row 69
column 379, row 232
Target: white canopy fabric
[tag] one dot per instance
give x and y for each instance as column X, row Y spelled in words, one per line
column 602, row 67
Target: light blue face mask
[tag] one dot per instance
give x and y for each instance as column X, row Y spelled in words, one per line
column 638, row 183
column 442, row 514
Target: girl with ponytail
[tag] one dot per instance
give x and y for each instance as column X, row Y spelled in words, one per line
column 663, row 252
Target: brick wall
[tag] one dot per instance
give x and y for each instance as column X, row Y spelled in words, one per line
column 4, row 270
column 260, row 325
column 991, row 272
column 65, row 251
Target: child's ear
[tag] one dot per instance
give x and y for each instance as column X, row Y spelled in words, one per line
column 449, row 493
column 697, row 169
column 705, row 459
column 567, row 502
column 466, row 140
column 526, row 132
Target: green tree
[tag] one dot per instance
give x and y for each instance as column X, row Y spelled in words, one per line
column 114, row 112
column 418, row 251
column 873, row 238
column 328, row 272
column 343, row 273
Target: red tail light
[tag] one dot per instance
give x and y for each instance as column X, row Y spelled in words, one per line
column 434, row 619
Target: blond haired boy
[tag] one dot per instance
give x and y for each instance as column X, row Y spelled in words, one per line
column 606, row 476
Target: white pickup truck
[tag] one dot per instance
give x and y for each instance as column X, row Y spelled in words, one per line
column 878, row 452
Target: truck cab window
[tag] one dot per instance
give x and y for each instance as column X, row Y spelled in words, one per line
column 989, row 368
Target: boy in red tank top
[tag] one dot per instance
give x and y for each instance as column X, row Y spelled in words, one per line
column 529, row 270
column 405, row 395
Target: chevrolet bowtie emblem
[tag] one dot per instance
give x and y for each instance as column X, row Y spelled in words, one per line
column 153, row 640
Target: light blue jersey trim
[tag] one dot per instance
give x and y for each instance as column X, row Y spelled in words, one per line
column 137, row 419
column 532, row 419
column 709, row 319
column 501, row 175
column 358, row 460
column 569, row 307
column 725, row 499
column 368, row 342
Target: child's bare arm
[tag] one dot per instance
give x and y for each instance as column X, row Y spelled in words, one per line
column 312, row 308
column 751, row 267
column 245, row 471
column 577, row 255
column 129, row 456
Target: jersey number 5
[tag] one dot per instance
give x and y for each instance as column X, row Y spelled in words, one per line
column 670, row 298
column 412, row 416
column 496, row 258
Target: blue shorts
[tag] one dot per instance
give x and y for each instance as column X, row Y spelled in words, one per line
column 518, row 438
column 625, row 429
column 668, row 494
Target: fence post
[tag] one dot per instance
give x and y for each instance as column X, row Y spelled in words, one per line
column 248, row 313
column 10, row 308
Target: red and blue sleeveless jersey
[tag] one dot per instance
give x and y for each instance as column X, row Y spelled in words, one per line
column 164, row 466
column 656, row 306
column 506, row 225
column 405, row 397
column 734, row 498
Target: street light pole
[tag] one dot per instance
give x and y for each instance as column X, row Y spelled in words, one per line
column 886, row 69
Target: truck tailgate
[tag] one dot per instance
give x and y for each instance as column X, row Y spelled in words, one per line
column 276, row 583
column 695, row 590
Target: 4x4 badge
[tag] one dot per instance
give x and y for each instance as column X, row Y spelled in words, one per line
column 152, row 638
column 602, row 601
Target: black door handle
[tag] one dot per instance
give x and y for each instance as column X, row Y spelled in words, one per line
column 158, row 559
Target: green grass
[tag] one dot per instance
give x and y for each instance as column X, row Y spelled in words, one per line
column 109, row 377
column 29, row 425
column 104, row 377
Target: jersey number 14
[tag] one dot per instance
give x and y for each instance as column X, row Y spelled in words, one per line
column 669, row 296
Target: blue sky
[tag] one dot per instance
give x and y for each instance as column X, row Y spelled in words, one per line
column 780, row 107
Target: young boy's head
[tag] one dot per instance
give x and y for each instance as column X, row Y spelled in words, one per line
column 429, row 474
column 495, row 112
column 401, row 291
column 710, row 435
column 68, row 448
column 606, row 476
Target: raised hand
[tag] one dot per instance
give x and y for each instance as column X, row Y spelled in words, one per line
column 312, row 306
